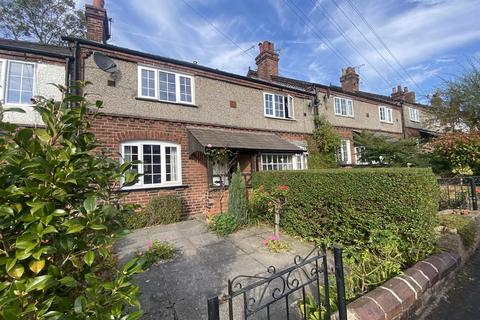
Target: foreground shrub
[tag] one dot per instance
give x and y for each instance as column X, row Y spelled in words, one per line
column 237, row 196
column 58, row 210
column 465, row 226
column 160, row 210
column 376, row 214
column 223, row 224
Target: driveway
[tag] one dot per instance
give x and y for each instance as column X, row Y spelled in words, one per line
column 178, row 289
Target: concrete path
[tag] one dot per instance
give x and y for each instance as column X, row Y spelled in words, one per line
column 178, row 289
column 463, row 301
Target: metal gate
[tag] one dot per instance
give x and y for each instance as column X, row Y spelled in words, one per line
column 272, row 296
column 459, row 193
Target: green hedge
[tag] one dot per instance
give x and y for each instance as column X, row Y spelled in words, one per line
column 160, row 210
column 349, row 206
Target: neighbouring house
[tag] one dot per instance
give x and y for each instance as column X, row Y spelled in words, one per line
column 28, row 70
column 167, row 112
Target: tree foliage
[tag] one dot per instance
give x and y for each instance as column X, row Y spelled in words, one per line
column 237, row 196
column 323, row 145
column 457, row 153
column 457, row 105
column 382, row 151
column 58, row 209
column 41, row 21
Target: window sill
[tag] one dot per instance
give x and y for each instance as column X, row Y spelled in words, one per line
column 386, row 122
column 341, row 115
column 144, row 188
column 191, row 105
column 278, row 118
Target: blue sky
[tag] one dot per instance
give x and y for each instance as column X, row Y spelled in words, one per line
column 432, row 39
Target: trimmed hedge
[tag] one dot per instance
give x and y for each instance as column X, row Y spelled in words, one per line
column 349, row 206
column 160, row 210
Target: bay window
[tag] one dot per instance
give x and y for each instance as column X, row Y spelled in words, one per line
column 278, row 106
column 165, row 86
column 161, row 165
column 343, row 107
column 17, row 82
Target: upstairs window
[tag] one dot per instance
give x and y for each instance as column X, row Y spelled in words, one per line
column 160, row 165
column 165, row 86
column 17, row 79
column 414, row 115
column 343, row 107
column 278, row 106
column 386, row 114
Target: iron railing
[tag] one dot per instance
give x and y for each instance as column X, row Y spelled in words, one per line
column 459, row 193
column 262, row 295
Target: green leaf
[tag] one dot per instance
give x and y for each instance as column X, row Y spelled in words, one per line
column 17, row 271
column 98, row 227
column 89, row 258
column 36, row 265
column 68, row 281
column 74, row 228
column 22, row 254
column 39, row 283
column 90, row 204
column 79, row 304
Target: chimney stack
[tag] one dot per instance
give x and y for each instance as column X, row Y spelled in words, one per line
column 267, row 61
column 403, row 95
column 98, row 29
column 350, row 80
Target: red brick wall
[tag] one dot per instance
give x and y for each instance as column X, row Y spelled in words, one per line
column 195, row 195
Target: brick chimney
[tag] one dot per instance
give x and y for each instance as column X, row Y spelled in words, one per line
column 350, row 79
column 97, row 21
column 267, row 61
column 403, row 95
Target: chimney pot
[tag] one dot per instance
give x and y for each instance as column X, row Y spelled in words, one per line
column 394, row 90
column 405, row 89
column 99, row 3
column 399, row 88
column 97, row 21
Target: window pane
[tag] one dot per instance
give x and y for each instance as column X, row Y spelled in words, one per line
column 337, row 106
column 19, row 83
column 151, row 163
column 269, row 104
column 167, row 86
column 171, row 163
column 279, row 108
column 350, row 107
column 185, row 89
column 148, row 83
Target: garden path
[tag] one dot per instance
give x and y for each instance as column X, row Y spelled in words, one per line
column 178, row 289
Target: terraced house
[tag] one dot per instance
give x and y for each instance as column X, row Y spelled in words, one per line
column 167, row 112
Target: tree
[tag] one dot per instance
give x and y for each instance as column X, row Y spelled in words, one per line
column 41, row 21
column 381, row 151
column 457, row 105
column 237, row 196
column 323, row 145
column 58, row 212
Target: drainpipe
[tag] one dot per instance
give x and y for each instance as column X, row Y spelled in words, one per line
column 402, row 117
column 76, row 67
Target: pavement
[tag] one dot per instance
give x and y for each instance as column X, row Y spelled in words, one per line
column 178, row 289
column 462, row 302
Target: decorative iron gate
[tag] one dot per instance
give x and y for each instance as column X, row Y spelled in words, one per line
column 459, row 193
column 271, row 296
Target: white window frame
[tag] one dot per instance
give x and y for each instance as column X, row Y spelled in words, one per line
column 291, row 106
column 357, row 152
column 388, row 114
column 157, row 85
column 163, row 170
column 340, row 114
column 296, row 164
column 4, row 81
column 341, row 153
column 414, row 114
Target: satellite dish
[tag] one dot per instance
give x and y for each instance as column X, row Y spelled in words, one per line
column 104, row 63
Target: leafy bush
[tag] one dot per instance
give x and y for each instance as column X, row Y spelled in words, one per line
column 223, row 224
column 465, row 226
column 58, row 210
column 376, row 214
column 160, row 210
column 323, row 145
column 156, row 251
column 237, row 196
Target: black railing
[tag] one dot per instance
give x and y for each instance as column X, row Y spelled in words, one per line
column 262, row 295
column 459, row 193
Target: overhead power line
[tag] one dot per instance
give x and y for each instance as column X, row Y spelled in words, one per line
column 384, row 45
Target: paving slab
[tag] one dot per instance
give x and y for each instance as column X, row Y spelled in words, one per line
column 178, row 289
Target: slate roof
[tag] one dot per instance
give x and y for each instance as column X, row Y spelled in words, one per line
column 242, row 140
column 33, row 47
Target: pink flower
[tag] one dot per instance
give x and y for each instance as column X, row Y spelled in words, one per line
column 149, row 244
column 273, row 237
column 265, row 242
column 283, row 188
column 209, row 145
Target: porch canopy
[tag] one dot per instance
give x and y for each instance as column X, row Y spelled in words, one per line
column 199, row 138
